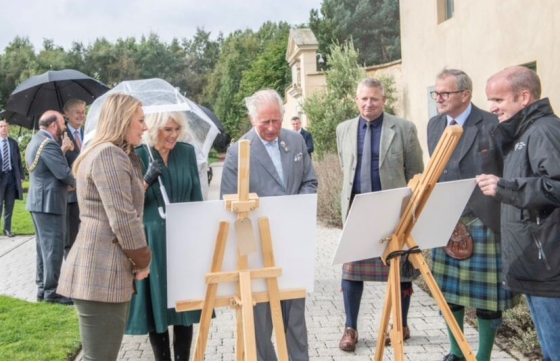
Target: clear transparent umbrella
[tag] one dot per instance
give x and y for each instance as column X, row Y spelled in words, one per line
column 157, row 96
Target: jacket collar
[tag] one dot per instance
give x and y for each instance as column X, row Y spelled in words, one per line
column 510, row 130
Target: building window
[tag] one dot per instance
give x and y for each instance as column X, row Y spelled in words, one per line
column 531, row 65
column 445, row 10
column 432, row 105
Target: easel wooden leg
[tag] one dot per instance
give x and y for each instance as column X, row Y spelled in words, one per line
column 211, row 291
column 386, row 314
column 396, row 312
column 248, row 318
column 392, row 308
column 419, row 262
column 273, row 290
column 240, row 352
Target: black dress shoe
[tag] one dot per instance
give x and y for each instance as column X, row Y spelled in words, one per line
column 451, row 356
column 59, row 299
column 8, row 233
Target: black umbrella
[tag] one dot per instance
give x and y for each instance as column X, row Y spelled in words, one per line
column 19, row 119
column 221, row 141
column 50, row 90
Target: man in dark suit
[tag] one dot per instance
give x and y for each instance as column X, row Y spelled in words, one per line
column 474, row 282
column 75, row 114
column 50, row 178
column 296, row 126
column 280, row 165
column 11, row 175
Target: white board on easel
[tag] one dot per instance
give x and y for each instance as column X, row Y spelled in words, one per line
column 374, row 216
column 191, row 233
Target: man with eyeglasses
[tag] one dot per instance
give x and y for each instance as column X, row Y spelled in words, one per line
column 473, row 282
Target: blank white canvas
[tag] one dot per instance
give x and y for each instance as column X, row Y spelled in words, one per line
column 441, row 213
column 191, row 234
column 374, row 216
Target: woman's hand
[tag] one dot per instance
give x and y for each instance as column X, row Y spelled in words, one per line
column 142, row 274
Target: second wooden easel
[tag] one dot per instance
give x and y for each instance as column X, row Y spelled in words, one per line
column 242, row 204
column 421, row 189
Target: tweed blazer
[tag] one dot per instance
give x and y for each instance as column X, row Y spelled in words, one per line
column 299, row 175
column 49, row 181
column 111, row 243
column 475, row 154
column 400, row 155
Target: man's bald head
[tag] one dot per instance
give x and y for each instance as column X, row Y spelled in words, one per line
column 53, row 122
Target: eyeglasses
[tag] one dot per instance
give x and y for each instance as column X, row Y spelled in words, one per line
column 444, row 95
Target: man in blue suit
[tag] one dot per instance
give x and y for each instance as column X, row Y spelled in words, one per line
column 280, row 165
column 11, row 175
column 296, row 126
column 75, row 114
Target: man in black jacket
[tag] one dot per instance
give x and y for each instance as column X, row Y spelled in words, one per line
column 529, row 133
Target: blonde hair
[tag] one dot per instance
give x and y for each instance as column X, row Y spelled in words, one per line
column 157, row 121
column 113, row 124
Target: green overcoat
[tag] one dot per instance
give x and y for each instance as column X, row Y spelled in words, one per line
column 148, row 309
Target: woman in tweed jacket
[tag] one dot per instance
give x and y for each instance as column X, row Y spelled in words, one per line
column 110, row 249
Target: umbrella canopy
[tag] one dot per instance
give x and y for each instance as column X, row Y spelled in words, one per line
column 158, row 96
column 223, row 139
column 50, row 90
column 15, row 118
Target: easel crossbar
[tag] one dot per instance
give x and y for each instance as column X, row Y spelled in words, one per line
column 262, row 273
column 223, row 301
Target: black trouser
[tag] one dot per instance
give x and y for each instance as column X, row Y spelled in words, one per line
column 72, row 226
column 182, row 339
column 7, row 197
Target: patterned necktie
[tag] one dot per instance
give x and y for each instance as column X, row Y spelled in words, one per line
column 365, row 168
column 77, row 139
column 5, row 156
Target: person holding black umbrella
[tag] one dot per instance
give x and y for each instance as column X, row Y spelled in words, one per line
column 75, row 115
column 50, row 177
column 11, row 175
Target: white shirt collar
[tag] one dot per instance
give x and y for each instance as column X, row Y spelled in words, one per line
column 462, row 118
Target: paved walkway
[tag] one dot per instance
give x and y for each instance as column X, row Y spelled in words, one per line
column 325, row 312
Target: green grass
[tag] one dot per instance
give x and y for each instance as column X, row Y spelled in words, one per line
column 37, row 331
column 22, row 224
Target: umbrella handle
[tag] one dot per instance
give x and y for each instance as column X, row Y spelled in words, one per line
column 161, row 209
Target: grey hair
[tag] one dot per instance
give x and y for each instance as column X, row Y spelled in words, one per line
column 261, row 98
column 370, row 83
column 462, row 80
column 157, row 121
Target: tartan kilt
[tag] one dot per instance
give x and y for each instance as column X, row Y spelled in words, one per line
column 477, row 281
column 372, row 269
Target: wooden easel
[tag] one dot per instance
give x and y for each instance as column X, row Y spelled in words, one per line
column 242, row 204
column 422, row 187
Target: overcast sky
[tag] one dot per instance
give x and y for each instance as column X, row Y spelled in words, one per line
column 65, row 21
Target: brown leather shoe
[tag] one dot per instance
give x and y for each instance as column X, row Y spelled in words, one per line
column 406, row 335
column 349, row 340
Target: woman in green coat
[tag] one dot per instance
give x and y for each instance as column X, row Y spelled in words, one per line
column 176, row 161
